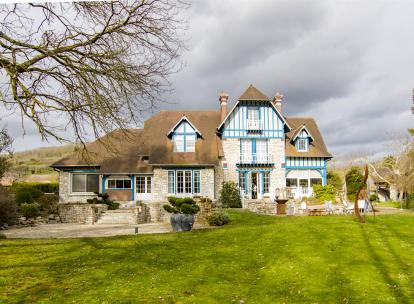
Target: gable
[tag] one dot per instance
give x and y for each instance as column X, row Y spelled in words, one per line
column 183, row 126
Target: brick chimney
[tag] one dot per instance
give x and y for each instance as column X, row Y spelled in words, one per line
column 223, row 104
column 277, row 101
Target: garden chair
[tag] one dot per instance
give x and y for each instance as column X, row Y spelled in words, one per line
column 348, row 207
column 328, row 207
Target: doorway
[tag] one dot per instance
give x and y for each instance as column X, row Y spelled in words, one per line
column 255, row 188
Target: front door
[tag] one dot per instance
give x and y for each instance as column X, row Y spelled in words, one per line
column 255, row 190
column 143, row 188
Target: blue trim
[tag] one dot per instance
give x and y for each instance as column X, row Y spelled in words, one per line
column 133, row 187
column 82, row 171
column 104, row 178
column 262, row 182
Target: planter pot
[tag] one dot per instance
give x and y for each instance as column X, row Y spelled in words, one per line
column 182, row 222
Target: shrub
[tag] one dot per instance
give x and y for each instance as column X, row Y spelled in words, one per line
column 103, row 198
column 27, row 195
column 30, row 210
column 48, row 202
column 218, row 218
column 43, row 187
column 179, row 205
column 335, row 180
column 324, row 193
column 374, row 197
column 2, row 236
column 8, row 207
column 230, row 195
column 353, row 179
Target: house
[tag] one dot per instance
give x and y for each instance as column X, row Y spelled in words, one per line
column 190, row 153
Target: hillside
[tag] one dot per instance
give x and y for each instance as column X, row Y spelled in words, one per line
column 33, row 165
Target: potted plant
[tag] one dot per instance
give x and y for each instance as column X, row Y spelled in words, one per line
column 183, row 211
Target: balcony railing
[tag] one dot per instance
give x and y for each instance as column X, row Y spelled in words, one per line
column 254, row 125
column 254, row 158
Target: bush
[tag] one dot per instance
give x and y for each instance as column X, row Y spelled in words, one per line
column 48, row 202
column 179, row 205
column 30, row 210
column 8, row 207
column 353, row 179
column 27, row 195
column 2, row 236
column 324, row 193
column 43, row 187
column 374, row 197
column 218, row 218
column 335, row 180
column 230, row 195
column 103, row 198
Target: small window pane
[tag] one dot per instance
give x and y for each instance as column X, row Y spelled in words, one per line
column 92, row 183
column 179, row 143
column 127, row 183
column 148, row 184
column 180, row 181
column 197, row 182
column 111, row 184
column 171, row 182
column 119, row 183
column 316, row 181
column 187, row 181
column 242, row 181
column 78, row 182
column 190, row 143
column 266, row 182
column 140, row 184
column 291, row 182
column 303, row 182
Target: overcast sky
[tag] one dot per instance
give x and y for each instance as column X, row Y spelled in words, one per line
column 348, row 64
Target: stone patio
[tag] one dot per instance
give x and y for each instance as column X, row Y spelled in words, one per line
column 79, row 230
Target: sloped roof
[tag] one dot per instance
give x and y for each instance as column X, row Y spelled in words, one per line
column 317, row 147
column 138, row 150
column 253, row 94
column 298, row 130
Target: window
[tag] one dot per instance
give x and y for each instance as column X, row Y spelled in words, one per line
column 197, row 182
column 242, row 181
column 315, row 181
column 302, row 144
column 291, row 182
column 261, row 150
column 184, row 138
column 85, row 183
column 304, row 183
column 246, row 150
column 119, row 183
column 187, row 181
column 143, row 184
column 171, row 182
column 184, row 181
column 180, row 181
column 266, row 182
column 253, row 114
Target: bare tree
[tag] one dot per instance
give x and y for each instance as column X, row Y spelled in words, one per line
column 5, row 151
column 92, row 66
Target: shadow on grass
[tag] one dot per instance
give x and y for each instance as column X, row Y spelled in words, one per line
column 378, row 262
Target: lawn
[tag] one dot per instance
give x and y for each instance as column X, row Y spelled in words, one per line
column 256, row 259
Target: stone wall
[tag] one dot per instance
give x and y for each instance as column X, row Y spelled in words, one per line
column 261, row 207
column 277, row 176
column 80, row 213
column 231, row 147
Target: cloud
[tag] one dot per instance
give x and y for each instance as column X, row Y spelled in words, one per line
column 347, row 64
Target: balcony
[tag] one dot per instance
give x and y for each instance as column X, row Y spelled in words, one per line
column 254, row 158
column 254, row 125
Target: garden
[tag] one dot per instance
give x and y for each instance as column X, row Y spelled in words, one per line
column 254, row 259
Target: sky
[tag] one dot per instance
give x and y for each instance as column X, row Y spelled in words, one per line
column 348, row 64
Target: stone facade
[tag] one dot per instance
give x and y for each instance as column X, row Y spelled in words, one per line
column 80, row 213
column 65, row 195
column 231, row 147
column 277, row 175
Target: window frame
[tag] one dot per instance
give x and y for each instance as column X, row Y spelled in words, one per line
column 299, row 146
column 266, row 182
column 184, row 140
column 118, row 179
column 86, row 183
column 184, row 182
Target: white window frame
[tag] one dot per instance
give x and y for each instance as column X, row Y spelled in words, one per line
column 305, row 144
column 85, row 192
column 116, row 178
column 146, row 183
column 192, row 182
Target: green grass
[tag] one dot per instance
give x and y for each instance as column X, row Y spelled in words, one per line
column 257, row 259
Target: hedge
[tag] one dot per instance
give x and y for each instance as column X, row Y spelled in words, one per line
column 44, row 187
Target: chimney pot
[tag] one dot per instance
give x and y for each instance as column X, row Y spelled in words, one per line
column 277, row 101
column 223, row 97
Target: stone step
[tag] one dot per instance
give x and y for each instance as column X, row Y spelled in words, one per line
column 117, row 217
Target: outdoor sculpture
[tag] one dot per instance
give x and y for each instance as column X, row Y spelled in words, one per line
column 360, row 217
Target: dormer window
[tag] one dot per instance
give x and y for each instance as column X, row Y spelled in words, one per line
column 184, row 136
column 302, row 144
